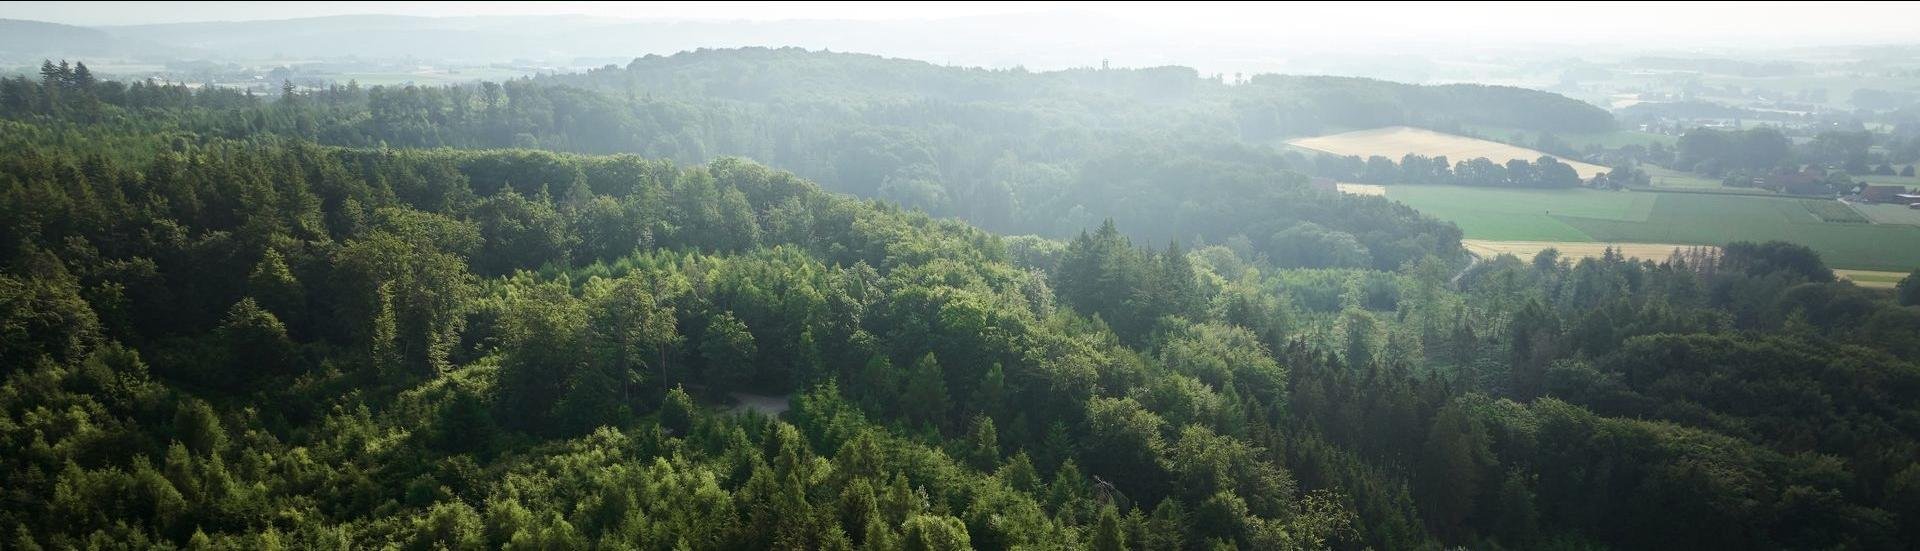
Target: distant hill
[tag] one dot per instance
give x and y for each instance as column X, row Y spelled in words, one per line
column 373, row 36
column 1033, row 40
column 22, row 41
column 987, row 40
column 27, row 38
column 1269, row 107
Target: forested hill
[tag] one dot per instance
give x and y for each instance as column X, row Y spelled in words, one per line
column 216, row 334
column 1019, row 152
column 1165, row 153
column 790, row 76
column 34, row 38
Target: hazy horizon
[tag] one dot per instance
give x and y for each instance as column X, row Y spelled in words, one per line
column 1644, row 25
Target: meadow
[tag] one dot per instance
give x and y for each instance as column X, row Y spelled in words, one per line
column 1594, row 216
column 1395, row 141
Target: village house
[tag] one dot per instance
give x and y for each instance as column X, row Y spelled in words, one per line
column 1809, row 181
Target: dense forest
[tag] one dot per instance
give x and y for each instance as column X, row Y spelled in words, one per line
column 355, row 318
column 1010, row 151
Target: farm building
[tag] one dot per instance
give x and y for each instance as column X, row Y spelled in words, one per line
column 1877, row 193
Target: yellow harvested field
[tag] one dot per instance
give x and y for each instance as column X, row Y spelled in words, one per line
column 1362, row 189
column 1864, row 278
column 1656, row 252
column 1395, row 141
column 1526, row 249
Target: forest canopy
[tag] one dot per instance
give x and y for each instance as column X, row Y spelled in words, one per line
column 468, row 317
column 1011, row 151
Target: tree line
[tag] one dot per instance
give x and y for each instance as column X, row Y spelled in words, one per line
column 1415, row 169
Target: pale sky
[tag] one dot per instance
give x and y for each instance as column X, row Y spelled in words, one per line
column 1652, row 24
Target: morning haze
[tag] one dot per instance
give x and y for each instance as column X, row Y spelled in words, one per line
column 945, row 276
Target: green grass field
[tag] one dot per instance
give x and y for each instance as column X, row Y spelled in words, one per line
column 1522, row 214
column 1585, row 215
column 1882, row 213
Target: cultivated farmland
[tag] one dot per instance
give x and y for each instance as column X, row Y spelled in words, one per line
column 1525, row 250
column 1594, row 216
column 1363, row 189
column 1518, row 214
column 1834, row 211
column 1863, row 278
column 1395, row 141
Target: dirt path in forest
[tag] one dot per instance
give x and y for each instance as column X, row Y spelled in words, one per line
column 771, row 406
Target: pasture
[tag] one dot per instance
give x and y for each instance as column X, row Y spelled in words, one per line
column 1594, row 216
column 1395, row 141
